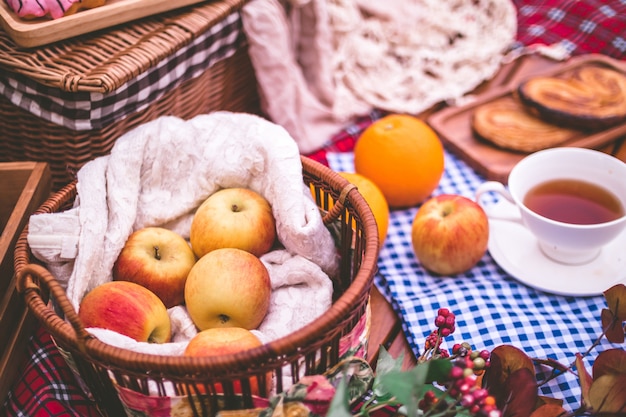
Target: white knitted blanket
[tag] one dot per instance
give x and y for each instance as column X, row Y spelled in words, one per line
column 321, row 62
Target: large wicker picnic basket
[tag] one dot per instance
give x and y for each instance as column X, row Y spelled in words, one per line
column 203, row 386
column 67, row 102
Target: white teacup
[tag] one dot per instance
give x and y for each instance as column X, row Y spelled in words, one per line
column 561, row 240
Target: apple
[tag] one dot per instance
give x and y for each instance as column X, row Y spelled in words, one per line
column 158, row 259
column 449, row 234
column 126, row 308
column 233, row 218
column 226, row 341
column 221, row 341
column 228, row 287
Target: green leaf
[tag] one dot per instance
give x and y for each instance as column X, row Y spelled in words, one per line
column 340, row 405
column 408, row 387
column 439, row 370
column 463, row 412
column 387, row 363
column 404, row 387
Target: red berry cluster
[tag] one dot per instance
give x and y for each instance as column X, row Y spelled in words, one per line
column 445, row 322
column 467, row 364
column 445, row 325
column 433, row 344
column 461, row 385
column 432, row 340
column 429, row 401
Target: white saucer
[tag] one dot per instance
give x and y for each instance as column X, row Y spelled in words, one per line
column 516, row 250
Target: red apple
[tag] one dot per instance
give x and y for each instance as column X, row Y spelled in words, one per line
column 228, row 287
column 450, row 234
column 126, row 308
column 233, row 218
column 225, row 341
column 158, row 259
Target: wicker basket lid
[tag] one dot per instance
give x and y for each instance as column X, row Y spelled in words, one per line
column 103, row 61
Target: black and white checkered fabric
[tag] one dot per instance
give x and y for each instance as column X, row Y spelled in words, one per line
column 81, row 111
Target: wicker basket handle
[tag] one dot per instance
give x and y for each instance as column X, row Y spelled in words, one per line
column 27, row 279
column 339, row 205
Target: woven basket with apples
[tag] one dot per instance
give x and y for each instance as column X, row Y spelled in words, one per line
column 193, row 270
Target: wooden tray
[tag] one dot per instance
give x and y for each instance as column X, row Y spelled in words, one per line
column 30, row 33
column 453, row 124
column 24, row 186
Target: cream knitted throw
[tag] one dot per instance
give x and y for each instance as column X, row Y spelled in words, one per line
column 321, row 62
column 406, row 55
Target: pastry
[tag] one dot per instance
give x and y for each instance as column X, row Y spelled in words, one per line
column 506, row 123
column 588, row 97
column 32, row 9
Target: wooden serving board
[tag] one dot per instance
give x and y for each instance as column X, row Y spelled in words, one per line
column 453, row 124
column 37, row 32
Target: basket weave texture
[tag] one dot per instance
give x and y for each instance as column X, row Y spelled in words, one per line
column 105, row 63
column 311, row 350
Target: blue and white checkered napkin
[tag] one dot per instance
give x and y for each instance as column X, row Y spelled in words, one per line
column 492, row 308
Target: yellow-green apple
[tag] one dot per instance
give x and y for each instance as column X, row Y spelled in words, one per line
column 221, row 341
column 449, row 234
column 228, row 287
column 126, row 308
column 233, row 218
column 226, row 341
column 158, row 259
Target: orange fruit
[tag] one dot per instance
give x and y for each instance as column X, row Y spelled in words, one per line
column 375, row 198
column 403, row 156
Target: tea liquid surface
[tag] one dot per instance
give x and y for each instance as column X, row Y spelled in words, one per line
column 573, row 201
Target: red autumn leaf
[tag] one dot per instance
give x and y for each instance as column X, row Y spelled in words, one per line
column 585, row 379
column 520, row 390
column 549, row 410
column 612, row 361
column 608, row 394
column 505, row 360
column 613, row 329
column 616, row 300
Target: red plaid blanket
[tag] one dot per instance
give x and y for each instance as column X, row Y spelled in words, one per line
column 48, row 388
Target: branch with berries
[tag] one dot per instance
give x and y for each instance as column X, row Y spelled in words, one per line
column 500, row 383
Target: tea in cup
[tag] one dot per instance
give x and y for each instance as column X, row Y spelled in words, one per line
column 573, row 200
